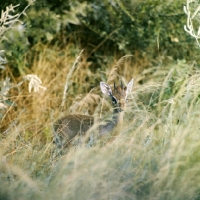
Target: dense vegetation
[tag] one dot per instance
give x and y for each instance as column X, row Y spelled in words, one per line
column 79, row 44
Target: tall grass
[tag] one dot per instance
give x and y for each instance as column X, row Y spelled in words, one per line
column 156, row 156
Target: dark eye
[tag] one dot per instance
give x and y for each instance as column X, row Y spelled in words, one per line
column 114, row 101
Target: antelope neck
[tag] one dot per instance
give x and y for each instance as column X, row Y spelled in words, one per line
column 117, row 116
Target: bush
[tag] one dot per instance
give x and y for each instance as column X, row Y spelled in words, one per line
column 103, row 27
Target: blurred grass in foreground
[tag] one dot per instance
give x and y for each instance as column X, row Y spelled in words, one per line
column 155, row 157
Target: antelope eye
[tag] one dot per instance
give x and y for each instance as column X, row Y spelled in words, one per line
column 114, row 101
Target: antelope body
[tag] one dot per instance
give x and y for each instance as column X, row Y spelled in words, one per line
column 69, row 126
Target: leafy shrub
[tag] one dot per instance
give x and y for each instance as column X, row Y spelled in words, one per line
column 102, row 27
column 151, row 25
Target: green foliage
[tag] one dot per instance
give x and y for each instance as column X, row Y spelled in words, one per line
column 101, row 27
column 12, row 38
column 150, row 25
column 41, row 26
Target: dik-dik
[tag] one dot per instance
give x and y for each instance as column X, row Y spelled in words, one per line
column 69, row 126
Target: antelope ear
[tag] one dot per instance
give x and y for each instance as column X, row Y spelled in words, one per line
column 129, row 86
column 105, row 89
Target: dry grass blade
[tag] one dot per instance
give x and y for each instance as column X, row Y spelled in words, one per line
column 67, row 79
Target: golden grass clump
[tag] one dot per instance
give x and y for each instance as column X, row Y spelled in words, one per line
column 156, row 155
